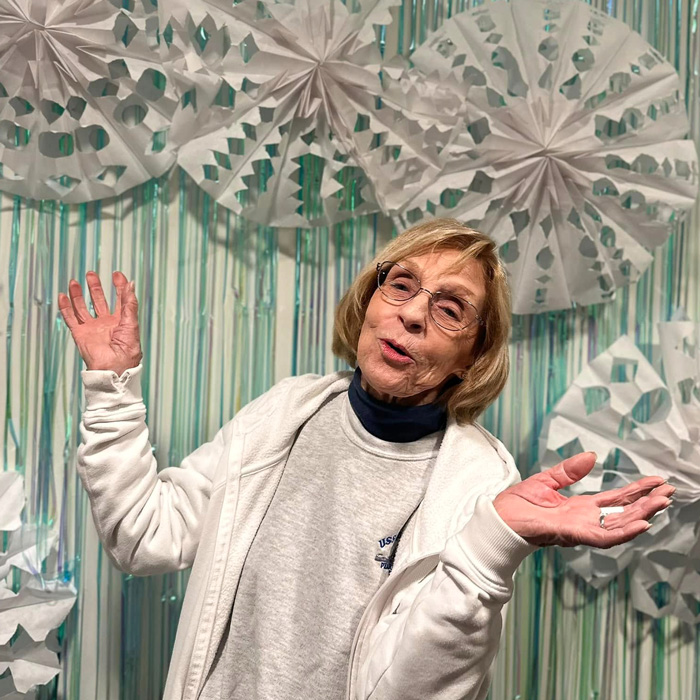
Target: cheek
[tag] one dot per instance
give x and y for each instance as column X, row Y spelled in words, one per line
column 371, row 321
column 366, row 340
column 450, row 356
column 373, row 312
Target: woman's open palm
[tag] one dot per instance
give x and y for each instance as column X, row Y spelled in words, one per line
column 536, row 510
column 107, row 340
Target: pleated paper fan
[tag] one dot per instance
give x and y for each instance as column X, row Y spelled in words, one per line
column 620, row 408
column 40, row 605
column 571, row 151
column 271, row 88
column 30, row 663
column 85, row 106
column 9, row 692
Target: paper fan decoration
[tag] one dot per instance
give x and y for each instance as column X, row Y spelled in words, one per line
column 9, row 692
column 40, row 606
column 620, row 408
column 571, row 152
column 274, row 88
column 37, row 608
column 85, row 107
column 30, row 663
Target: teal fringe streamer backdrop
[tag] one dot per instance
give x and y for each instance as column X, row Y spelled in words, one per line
column 226, row 310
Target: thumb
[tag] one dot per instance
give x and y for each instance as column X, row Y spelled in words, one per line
column 569, row 471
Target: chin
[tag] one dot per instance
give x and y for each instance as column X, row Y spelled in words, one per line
column 386, row 380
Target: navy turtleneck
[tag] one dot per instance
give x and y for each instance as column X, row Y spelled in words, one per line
column 394, row 423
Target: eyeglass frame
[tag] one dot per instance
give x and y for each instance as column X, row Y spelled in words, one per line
column 478, row 319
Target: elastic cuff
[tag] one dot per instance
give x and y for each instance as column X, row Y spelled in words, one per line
column 493, row 546
column 105, row 389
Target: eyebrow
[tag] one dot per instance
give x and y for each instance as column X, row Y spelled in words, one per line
column 452, row 287
column 457, row 289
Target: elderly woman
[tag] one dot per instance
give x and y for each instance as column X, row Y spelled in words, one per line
column 352, row 535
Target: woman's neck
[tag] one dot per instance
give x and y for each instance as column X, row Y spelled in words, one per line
column 394, row 422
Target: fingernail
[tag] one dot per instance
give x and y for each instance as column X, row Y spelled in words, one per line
column 647, row 527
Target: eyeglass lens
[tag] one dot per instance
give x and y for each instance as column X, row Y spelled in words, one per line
column 448, row 311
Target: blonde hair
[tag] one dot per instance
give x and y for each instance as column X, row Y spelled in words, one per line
column 486, row 376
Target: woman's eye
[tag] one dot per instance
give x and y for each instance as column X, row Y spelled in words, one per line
column 451, row 310
column 400, row 286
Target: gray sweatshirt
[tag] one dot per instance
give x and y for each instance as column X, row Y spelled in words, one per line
column 321, row 552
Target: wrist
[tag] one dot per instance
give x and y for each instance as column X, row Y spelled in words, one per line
column 500, row 505
column 503, row 506
column 525, row 527
column 117, row 368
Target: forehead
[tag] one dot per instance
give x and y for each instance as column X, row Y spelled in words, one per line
column 440, row 269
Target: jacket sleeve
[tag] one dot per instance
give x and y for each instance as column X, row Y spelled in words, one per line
column 149, row 521
column 442, row 641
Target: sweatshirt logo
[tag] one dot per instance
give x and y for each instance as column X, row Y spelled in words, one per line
column 384, row 553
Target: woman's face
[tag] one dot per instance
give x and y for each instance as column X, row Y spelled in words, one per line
column 434, row 354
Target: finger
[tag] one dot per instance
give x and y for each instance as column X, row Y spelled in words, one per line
column 667, row 490
column 604, row 539
column 120, row 282
column 643, row 509
column 66, row 309
column 631, row 492
column 97, row 294
column 567, row 472
column 130, row 310
column 78, row 301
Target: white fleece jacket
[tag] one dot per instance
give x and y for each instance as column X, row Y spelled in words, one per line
column 430, row 631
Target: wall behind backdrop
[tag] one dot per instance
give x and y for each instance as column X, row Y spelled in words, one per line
column 226, row 310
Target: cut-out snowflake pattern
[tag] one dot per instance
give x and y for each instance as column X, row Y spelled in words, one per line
column 570, row 152
column 638, row 425
column 40, row 605
column 270, row 89
column 30, row 663
column 85, row 106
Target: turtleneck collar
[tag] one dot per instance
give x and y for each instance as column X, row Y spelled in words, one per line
column 392, row 422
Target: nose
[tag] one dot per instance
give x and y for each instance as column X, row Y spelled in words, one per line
column 414, row 312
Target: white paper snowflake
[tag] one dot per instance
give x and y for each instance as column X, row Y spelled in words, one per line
column 273, row 89
column 9, row 692
column 38, row 607
column 620, row 408
column 85, row 106
column 30, row 663
column 571, row 149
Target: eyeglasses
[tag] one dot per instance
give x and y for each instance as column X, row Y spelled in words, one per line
column 450, row 312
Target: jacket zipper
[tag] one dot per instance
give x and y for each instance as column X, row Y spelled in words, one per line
column 209, row 595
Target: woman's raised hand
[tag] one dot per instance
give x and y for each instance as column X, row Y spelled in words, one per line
column 108, row 340
column 536, row 510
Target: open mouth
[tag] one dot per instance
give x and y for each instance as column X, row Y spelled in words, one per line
column 396, row 352
column 396, row 348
